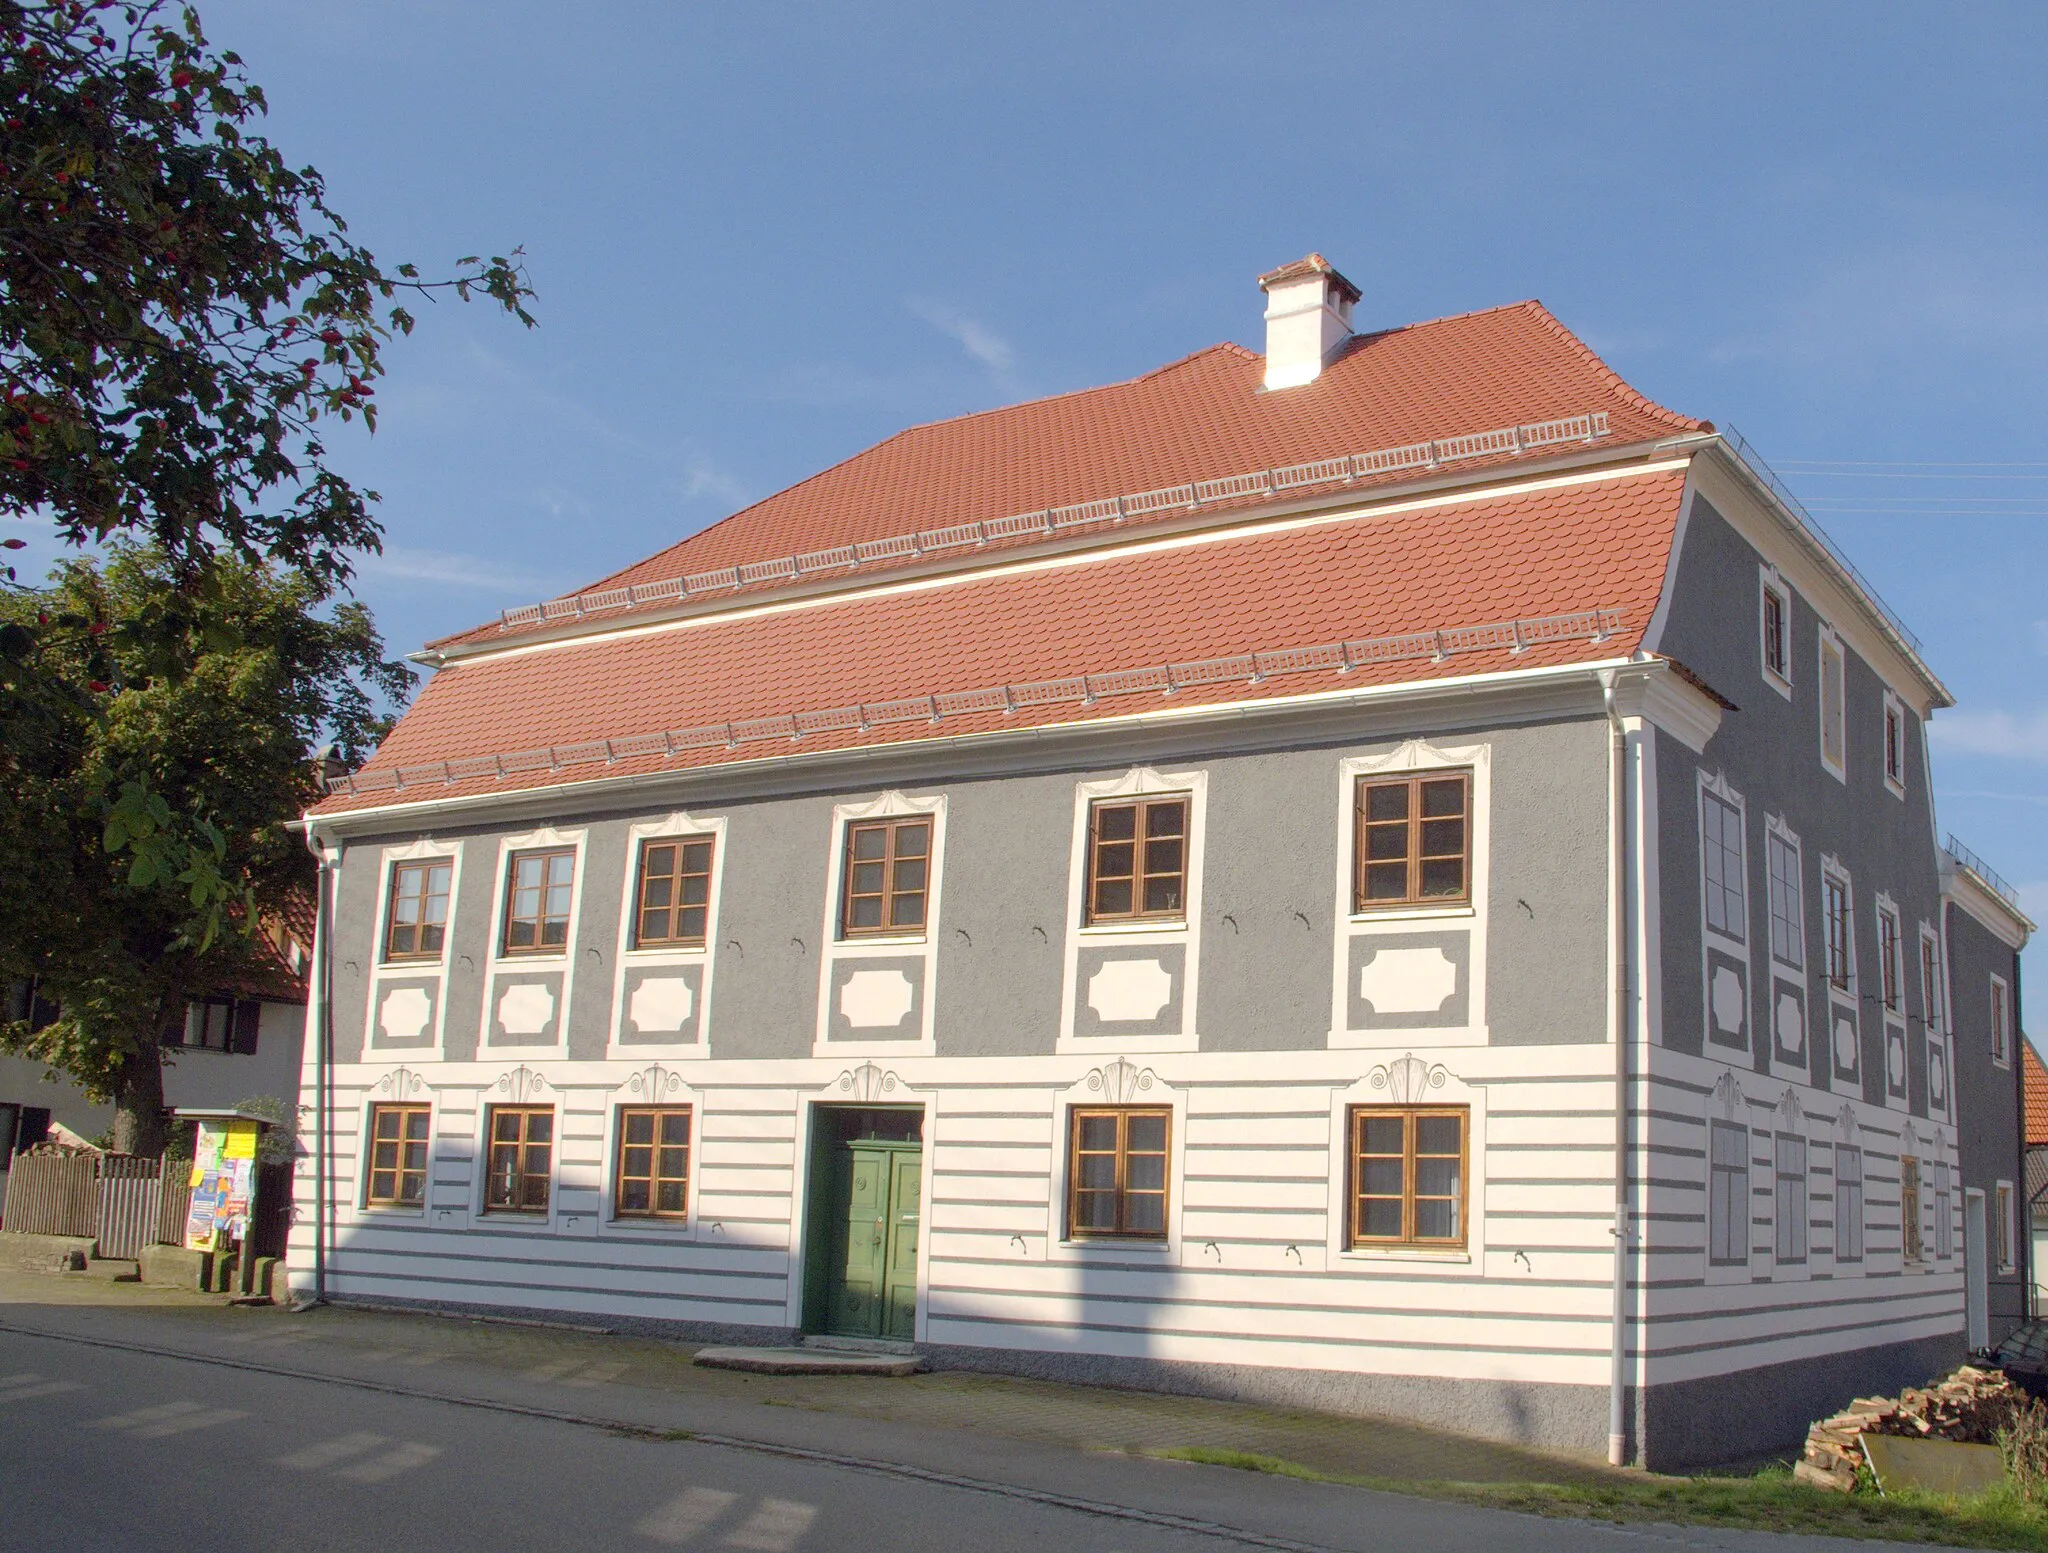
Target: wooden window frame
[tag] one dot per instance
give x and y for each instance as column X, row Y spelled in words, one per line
column 1738, row 1205
column 1139, row 841
column 1891, row 960
column 1775, row 647
column 889, row 826
column 2004, row 1232
column 1789, row 1233
column 424, row 866
column 1355, row 1238
column 1724, row 874
column 655, row 1176
column 1361, row 836
column 1837, row 931
column 1930, row 982
column 1911, row 1249
column 677, row 905
column 1848, row 1224
column 1894, row 745
column 1834, row 706
column 517, row 1206
column 1785, row 897
column 508, row 950
column 2001, row 1022
column 399, row 1142
column 1076, row 1231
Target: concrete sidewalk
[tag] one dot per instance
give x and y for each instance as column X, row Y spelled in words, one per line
column 640, row 1378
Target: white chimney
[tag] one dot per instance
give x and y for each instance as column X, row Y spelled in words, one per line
column 1308, row 319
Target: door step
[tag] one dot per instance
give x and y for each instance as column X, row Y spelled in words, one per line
column 116, row 1269
column 832, row 1343
column 807, row 1361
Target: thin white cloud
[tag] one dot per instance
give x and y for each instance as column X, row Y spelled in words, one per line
column 2009, row 735
column 449, row 569
column 982, row 344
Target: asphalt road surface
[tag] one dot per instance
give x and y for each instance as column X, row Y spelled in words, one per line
column 104, row 1446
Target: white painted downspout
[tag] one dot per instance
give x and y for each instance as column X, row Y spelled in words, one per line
column 1617, row 924
column 320, row 1005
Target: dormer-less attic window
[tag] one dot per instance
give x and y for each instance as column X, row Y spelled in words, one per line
column 1834, row 697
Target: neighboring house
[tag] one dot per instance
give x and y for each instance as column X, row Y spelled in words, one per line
column 228, row 1049
column 1172, row 885
column 2035, row 1084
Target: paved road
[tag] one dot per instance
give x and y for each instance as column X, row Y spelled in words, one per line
column 105, row 1445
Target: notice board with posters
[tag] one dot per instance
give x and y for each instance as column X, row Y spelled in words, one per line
column 223, row 1183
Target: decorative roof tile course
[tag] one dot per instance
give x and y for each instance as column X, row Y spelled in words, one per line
column 1554, row 548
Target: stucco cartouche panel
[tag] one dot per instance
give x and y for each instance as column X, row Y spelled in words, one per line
column 1769, row 750
column 1002, row 926
column 1547, row 933
column 1989, row 1139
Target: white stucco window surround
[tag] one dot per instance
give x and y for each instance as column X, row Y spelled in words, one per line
column 525, row 1009
column 1773, row 593
column 1137, row 991
column 517, row 1084
column 1834, row 705
column 683, row 998
column 401, row 1013
column 1115, row 1084
column 1729, row 1231
column 400, row 1085
column 884, row 982
column 655, row 1085
column 1999, row 1021
column 1418, row 1079
column 1410, row 972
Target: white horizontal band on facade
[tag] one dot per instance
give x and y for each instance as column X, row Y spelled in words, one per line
column 1514, row 636
column 1109, row 510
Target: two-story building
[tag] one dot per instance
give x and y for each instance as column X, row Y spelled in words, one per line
column 1393, row 874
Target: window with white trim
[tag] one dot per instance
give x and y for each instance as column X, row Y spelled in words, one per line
column 2001, row 1022
column 1788, row 930
column 1721, row 864
column 1774, row 623
column 1930, row 978
column 1727, row 1194
column 2002, row 1227
column 1848, row 1203
column 1944, row 1214
column 1838, row 929
column 1894, row 745
column 1891, row 970
column 1909, row 1208
column 1790, row 1169
column 1834, row 701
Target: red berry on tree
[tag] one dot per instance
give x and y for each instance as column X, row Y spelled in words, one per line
column 330, row 336
column 181, row 79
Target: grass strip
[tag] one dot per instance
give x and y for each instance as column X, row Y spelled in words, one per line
column 1768, row 1501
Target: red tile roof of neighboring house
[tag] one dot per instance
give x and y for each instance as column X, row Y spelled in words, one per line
column 2034, row 1078
column 1204, row 417
column 1600, row 541
column 283, row 949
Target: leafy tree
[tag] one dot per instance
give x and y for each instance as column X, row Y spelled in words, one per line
column 211, row 709
column 181, row 317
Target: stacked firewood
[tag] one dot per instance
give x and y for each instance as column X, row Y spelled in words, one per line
column 1971, row 1405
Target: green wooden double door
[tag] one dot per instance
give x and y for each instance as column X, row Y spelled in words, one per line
column 871, row 1210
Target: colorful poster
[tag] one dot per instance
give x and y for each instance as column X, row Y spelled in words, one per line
column 223, row 1182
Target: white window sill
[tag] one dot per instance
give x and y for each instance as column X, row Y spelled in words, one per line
column 390, row 1211
column 1136, row 927
column 879, row 941
column 412, row 967
column 515, row 962
column 675, row 1228
column 1895, row 787
column 1407, row 1257
column 1412, row 914
column 1110, row 1246
column 666, row 952
column 1778, row 682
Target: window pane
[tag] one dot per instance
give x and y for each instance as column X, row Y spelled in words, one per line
column 867, row 878
column 1166, row 819
column 1443, row 838
column 1098, row 1172
column 1112, row 897
column 1380, row 1177
column 540, row 1126
column 1116, row 822
column 1145, row 1215
column 1386, row 882
column 1436, row 1220
column 1145, row 1173
column 1442, row 878
column 1443, row 797
column 660, row 859
column 1163, row 895
column 1386, row 841
column 869, row 842
column 1163, row 857
column 431, row 939
column 910, row 873
column 1095, row 1210
column 908, row 911
column 1382, row 1134
column 913, row 840
column 505, row 1126
column 1098, row 1131
column 1388, row 802
column 690, row 922
column 1439, row 1135
column 1436, row 1177
column 633, row 1196
column 1114, row 860
column 657, row 891
column 671, row 1198
column 675, row 1127
column 866, row 912
column 1147, row 1132
column 1381, row 1218
column 696, row 890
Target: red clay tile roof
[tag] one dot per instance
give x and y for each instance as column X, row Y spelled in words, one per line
column 2034, row 1077
column 1594, row 543
column 279, row 927
column 1200, row 418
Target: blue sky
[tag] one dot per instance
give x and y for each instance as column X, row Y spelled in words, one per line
column 766, row 237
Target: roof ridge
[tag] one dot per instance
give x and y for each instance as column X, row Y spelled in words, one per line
column 1615, row 380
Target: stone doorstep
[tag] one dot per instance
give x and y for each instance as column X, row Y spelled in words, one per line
column 832, row 1343
column 807, row 1361
column 117, row 1269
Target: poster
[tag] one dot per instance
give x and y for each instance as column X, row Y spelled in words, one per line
column 223, row 1182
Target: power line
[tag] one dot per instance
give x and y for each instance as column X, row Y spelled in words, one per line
column 1910, row 463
